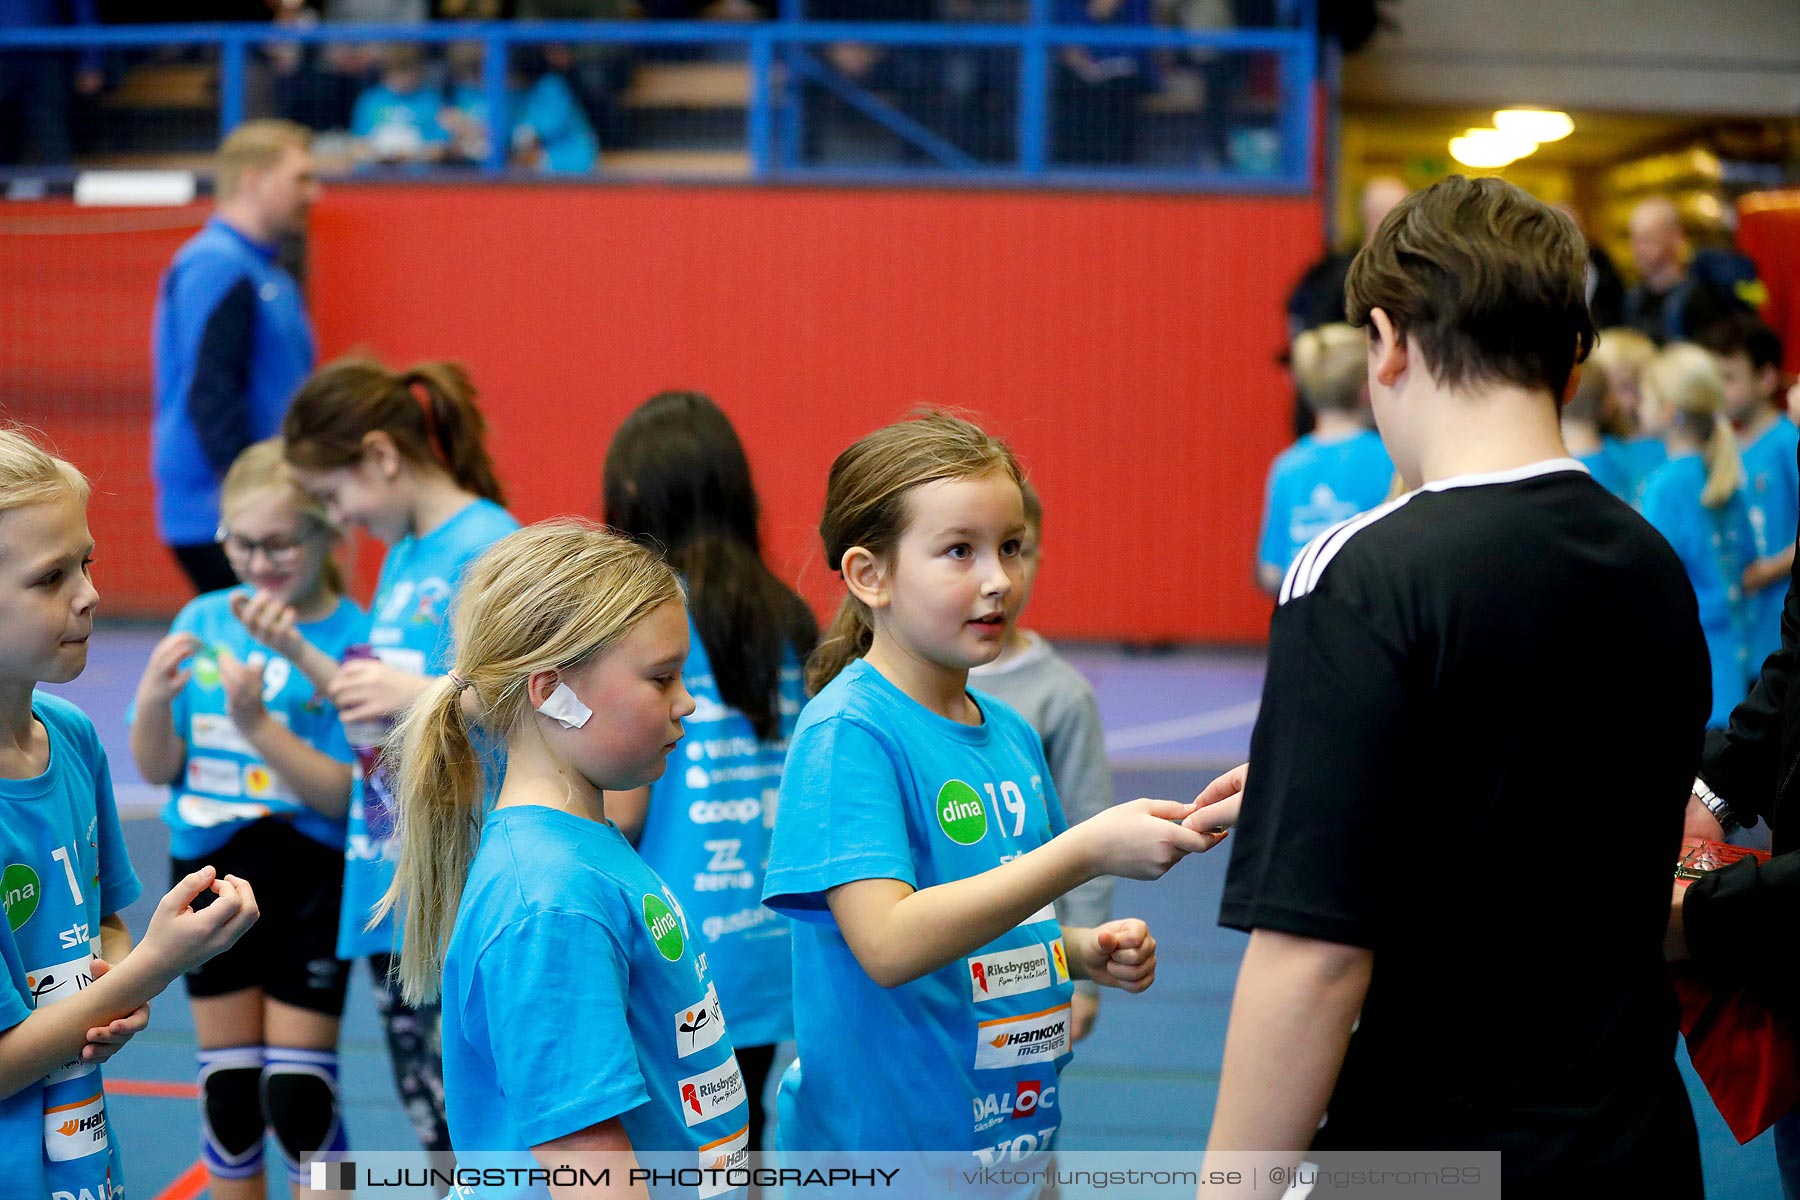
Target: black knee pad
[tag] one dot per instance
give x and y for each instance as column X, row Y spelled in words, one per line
column 300, row 1103
column 231, row 1120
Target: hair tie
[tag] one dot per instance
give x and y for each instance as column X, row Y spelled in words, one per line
column 459, row 681
column 422, row 395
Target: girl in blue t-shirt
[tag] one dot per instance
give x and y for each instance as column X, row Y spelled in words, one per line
column 260, row 777
column 676, row 476
column 402, row 456
column 1696, row 500
column 581, row 1012
column 919, row 842
column 72, row 987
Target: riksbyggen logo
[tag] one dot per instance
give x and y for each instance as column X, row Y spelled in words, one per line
column 960, row 813
column 710, row 1093
column 1007, row 973
column 1010, row 1041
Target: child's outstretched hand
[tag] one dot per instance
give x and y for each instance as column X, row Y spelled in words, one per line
column 1119, row 954
column 1216, row 808
column 268, row 620
column 243, row 690
column 180, row 937
column 164, row 676
column 1140, row 839
column 104, row 1041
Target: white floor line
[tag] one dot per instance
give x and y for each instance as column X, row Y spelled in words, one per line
column 1180, row 728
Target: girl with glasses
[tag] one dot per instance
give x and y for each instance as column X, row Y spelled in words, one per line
column 260, row 774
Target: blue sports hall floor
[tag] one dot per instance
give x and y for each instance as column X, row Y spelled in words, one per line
column 1146, row 1078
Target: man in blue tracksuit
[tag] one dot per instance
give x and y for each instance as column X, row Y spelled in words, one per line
column 231, row 341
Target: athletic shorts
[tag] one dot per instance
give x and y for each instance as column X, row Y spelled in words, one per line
column 291, row 951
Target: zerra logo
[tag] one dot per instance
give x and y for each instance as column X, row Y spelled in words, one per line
column 960, row 814
column 665, row 930
column 19, row 891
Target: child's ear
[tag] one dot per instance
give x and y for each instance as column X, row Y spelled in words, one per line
column 866, row 576
column 540, row 684
column 381, row 454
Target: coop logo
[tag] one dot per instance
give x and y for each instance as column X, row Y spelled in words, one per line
column 1012, row 1041
column 699, row 1026
column 960, row 814
column 1029, row 1098
column 1007, row 973
column 710, row 1093
column 714, row 812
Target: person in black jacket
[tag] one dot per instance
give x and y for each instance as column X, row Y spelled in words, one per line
column 1735, row 925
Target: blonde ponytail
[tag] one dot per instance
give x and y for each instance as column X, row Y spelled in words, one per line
column 1686, row 379
column 1724, row 466
column 439, row 800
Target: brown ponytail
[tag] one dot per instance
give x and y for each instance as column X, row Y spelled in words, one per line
column 866, row 505
column 428, row 410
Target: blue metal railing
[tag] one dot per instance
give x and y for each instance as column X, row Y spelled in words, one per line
column 779, row 55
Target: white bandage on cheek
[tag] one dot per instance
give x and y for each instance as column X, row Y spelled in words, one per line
column 564, row 706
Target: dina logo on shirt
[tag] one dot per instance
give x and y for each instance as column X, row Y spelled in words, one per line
column 665, row 930
column 20, row 891
column 960, row 814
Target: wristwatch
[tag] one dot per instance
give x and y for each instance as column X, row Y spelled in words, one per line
column 1715, row 804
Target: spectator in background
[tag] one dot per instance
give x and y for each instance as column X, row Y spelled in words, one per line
column 1318, row 299
column 396, row 121
column 598, row 73
column 1605, row 286
column 1670, row 302
column 36, row 86
column 318, row 85
column 547, row 130
column 231, row 339
column 1749, row 357
column 1331, row 474
column 1094, row 106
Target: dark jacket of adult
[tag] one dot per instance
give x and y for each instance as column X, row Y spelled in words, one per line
column 1741, row 922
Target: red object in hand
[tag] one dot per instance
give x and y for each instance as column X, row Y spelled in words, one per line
column 1748, row 1057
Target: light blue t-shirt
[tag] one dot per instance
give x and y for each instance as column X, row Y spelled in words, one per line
column 879, row 787
column 224, row 784
column 398, row 125
column 1613, row 468
column 1772, row 486
column 1715, row 545
column 706, row 832
column 409, row 628
column 1642, row 457
column 560, row 915
column 62, row 869
column 549, row 110
column 1313, row 485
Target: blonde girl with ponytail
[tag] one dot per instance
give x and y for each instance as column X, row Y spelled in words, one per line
column 580, row 1013
column 402, row 455
column 1696, row 501
column 259, row 778
column 919, row 843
